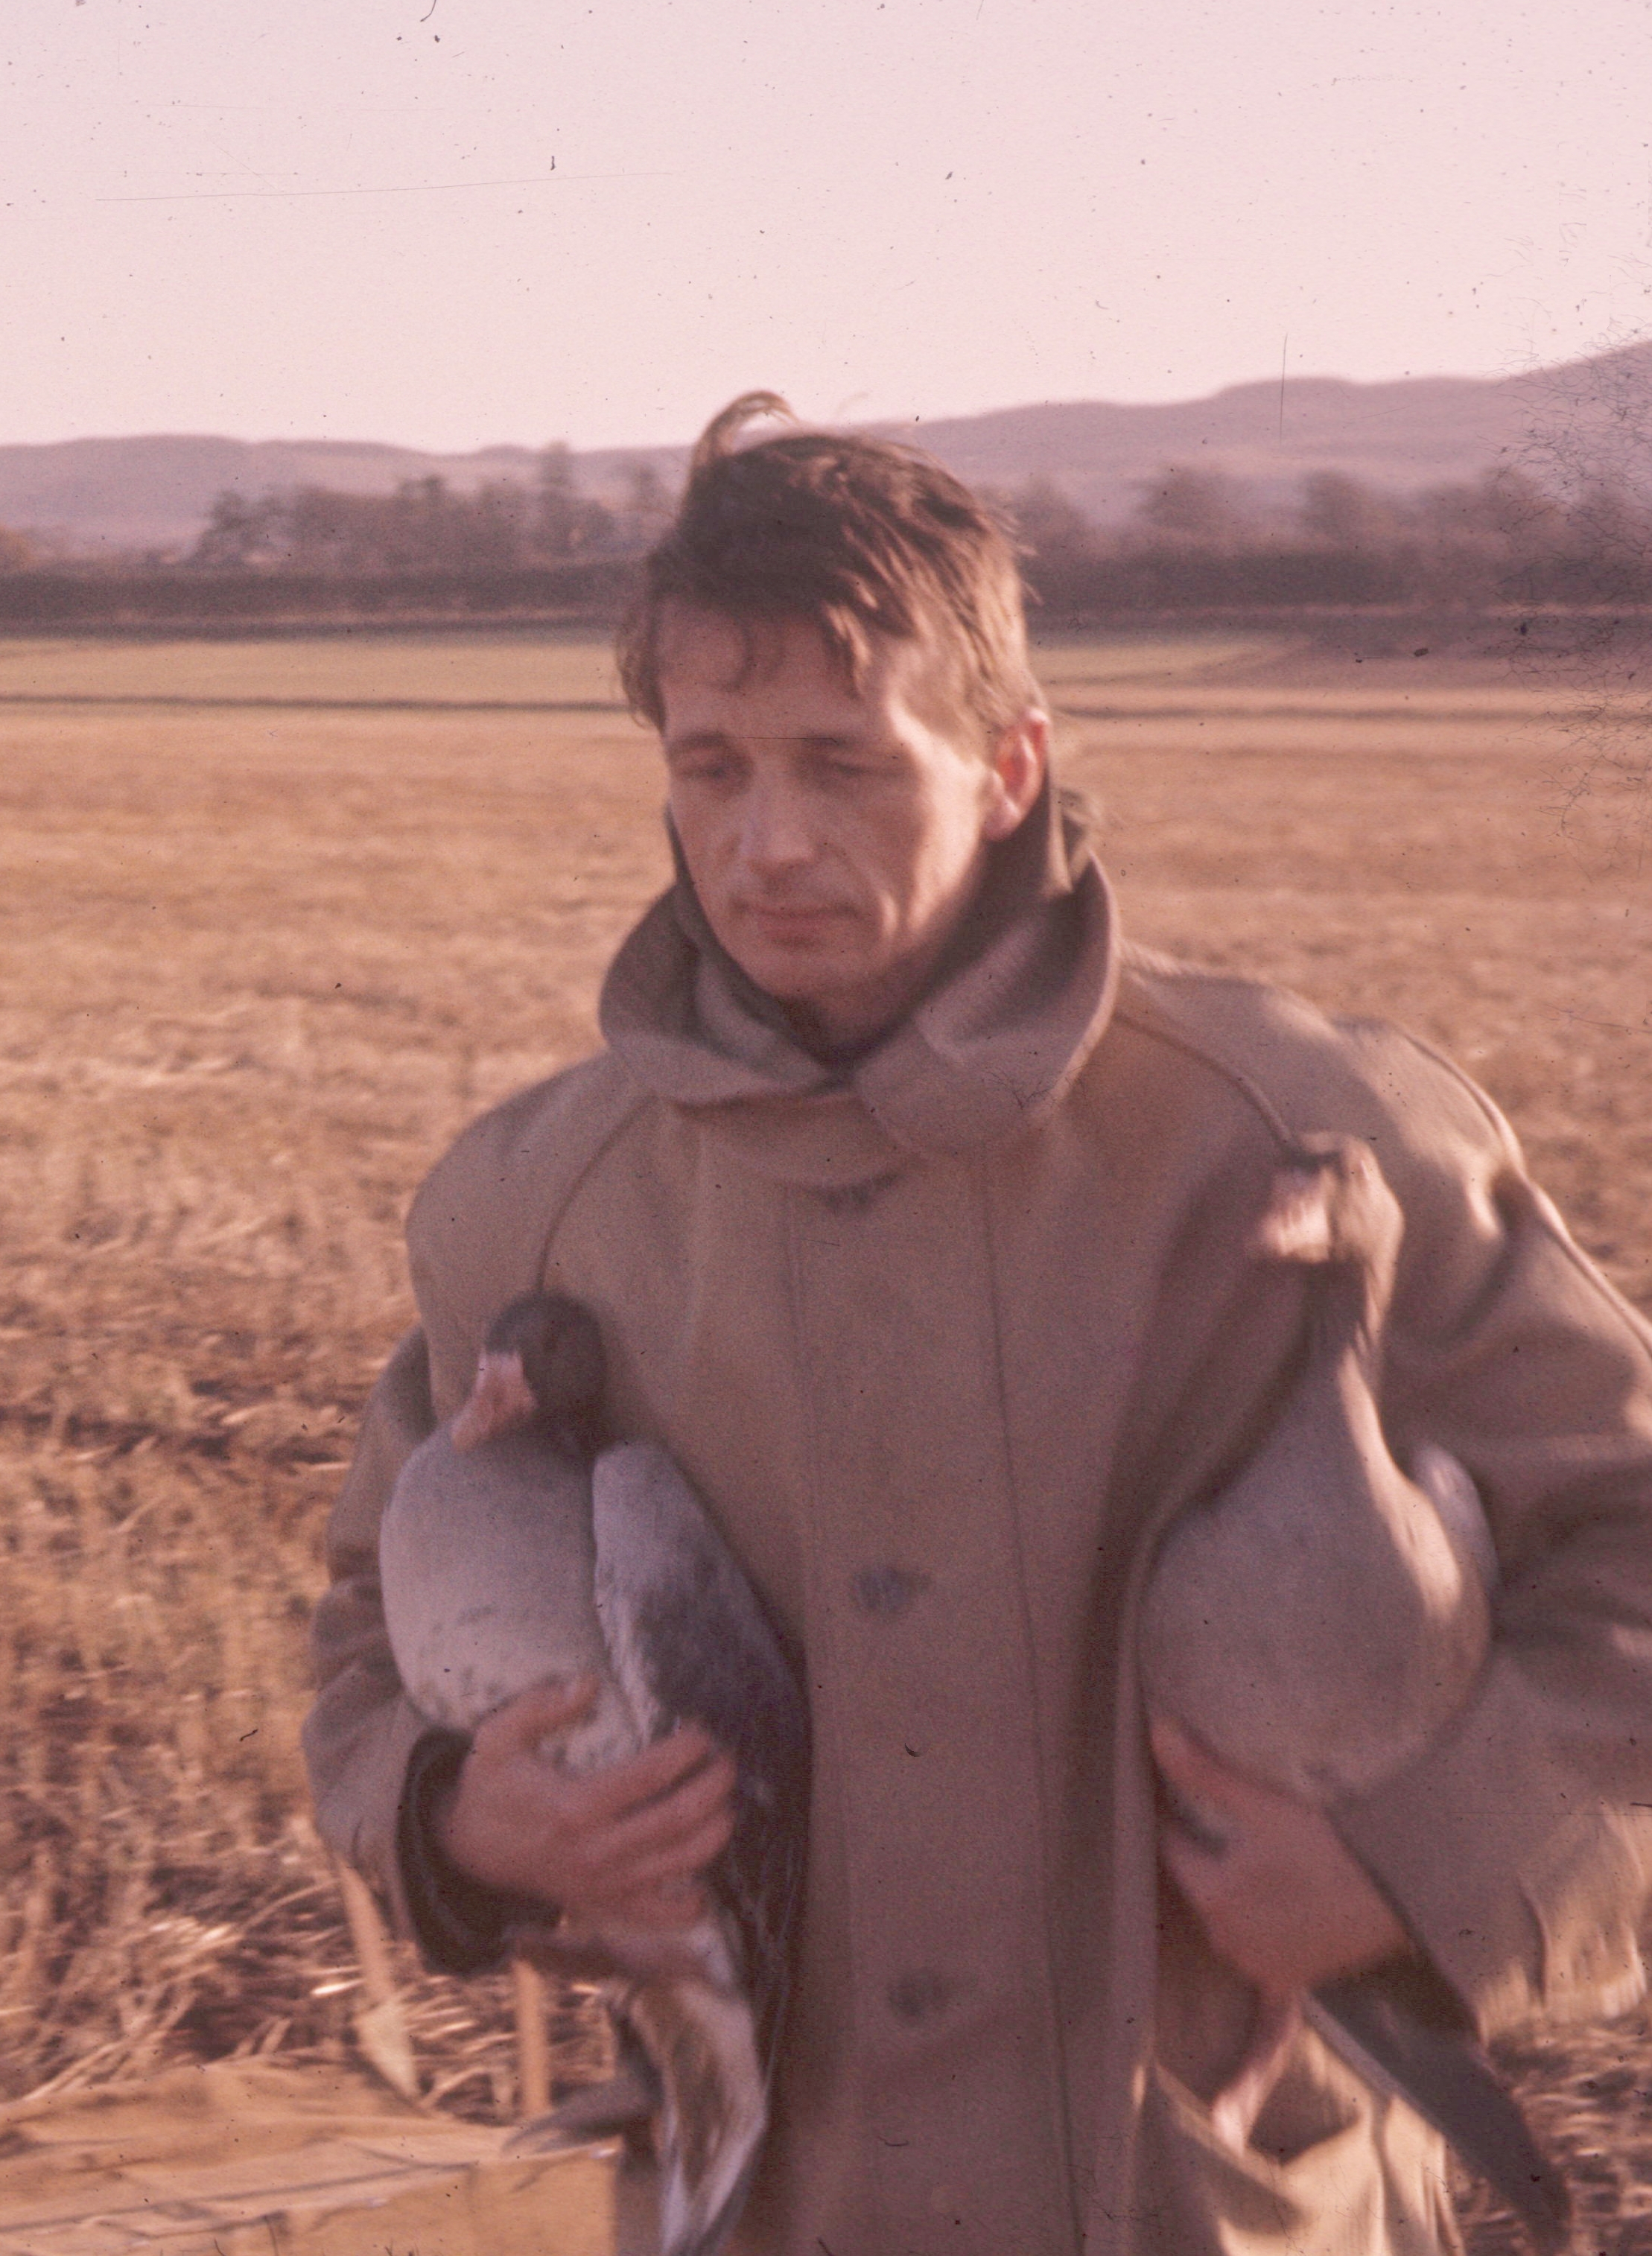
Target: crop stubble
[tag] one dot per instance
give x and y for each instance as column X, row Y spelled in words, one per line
column 259, row 959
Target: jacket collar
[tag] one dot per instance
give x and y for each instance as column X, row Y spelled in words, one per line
column 1015, row 1008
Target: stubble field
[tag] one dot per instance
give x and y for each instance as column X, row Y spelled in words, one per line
column 277, row 917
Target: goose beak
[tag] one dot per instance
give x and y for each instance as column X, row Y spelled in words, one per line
column 500, row 1400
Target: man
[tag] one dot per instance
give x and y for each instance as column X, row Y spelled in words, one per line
column 915, row 1208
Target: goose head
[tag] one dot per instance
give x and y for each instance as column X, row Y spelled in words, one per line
column 1329, row 1209
column 541, row 1364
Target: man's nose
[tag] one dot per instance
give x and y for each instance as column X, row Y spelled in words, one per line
column 775, row 834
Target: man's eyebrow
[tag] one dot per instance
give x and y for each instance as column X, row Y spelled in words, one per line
column 813, row 740
column 698, row 740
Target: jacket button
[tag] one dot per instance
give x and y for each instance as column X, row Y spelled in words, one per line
column 920, row 1995
column 887, row 1591
column 855, row 1198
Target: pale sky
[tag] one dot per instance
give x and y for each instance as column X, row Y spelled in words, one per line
column 449, row 223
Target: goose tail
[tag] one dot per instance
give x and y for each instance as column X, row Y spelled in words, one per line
column 1444, row 2079
column 701, row 2042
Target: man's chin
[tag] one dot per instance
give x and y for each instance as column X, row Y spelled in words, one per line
column 792, row 956
column 792, row 975
column 830, row 999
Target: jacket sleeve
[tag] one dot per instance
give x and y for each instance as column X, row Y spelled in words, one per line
column 479, row 1232
column 1519, row 1846
column 376, row 1765
column 361, row 1730
column 477, row 1235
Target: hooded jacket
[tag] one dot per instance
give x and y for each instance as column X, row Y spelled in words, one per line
column 945, row 1336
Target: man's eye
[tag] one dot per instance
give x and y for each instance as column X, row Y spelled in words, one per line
column 707, row 767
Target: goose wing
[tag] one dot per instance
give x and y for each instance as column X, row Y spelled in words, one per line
column 688, row 1637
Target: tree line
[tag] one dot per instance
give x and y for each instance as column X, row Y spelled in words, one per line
column 1197, row 538
column 429, row 525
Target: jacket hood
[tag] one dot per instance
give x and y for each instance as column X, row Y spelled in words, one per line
column 1016, row 1005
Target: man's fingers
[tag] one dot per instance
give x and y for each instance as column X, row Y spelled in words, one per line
column 1284, row 1901
column 684, row 1858
column 521, row 1724
column 1195, row 1870
column 662, row 1825
column 648, row 1777
column 1198, row 1773
column 673, row 1903
column 649, row 1825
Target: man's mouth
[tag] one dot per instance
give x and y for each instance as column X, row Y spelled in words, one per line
column 786, row 921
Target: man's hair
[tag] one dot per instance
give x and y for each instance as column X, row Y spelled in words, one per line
column 854, row 536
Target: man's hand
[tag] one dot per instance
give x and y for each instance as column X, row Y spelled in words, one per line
column 627, row 1843
column 1282, row 1900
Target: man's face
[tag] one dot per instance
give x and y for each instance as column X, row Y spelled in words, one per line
column 835, row 834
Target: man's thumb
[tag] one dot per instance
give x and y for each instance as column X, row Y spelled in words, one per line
column 1188, row 1764
column 544, row 1708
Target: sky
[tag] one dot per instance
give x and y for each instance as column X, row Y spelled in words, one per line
column 453, row 222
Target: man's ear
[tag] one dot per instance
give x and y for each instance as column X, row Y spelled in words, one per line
column 1016, row 765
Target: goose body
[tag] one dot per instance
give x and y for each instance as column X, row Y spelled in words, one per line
column 1317, row 1621
column 488, row 1560
column 511, row 1555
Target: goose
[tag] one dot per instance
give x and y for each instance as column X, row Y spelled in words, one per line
column 1319, row 1620
column 513, row 1550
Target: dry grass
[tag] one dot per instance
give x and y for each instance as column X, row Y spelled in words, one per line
column 259, row 959
column 256, row 968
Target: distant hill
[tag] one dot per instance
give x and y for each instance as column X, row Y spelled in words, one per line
column 154, row 493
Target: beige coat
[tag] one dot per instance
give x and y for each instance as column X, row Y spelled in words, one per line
column 944, row 1343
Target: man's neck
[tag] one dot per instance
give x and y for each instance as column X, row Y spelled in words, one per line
column 828, row 1045
column 842, row 1033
